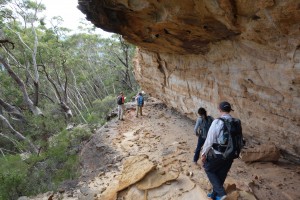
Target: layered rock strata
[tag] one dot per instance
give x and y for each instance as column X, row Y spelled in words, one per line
column 198, row 53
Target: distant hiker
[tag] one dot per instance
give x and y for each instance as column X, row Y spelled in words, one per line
column 121, row 107
column 139, row 104
column 222, row 145
column 201, row 128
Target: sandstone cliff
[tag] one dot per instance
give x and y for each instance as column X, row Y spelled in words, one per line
column 198, row 53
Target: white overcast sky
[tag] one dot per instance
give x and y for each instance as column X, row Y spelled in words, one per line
column 68, row 10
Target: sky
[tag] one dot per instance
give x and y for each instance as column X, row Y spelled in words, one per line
column 68, row 10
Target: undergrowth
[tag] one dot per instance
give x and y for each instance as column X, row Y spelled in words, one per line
column 45, row 172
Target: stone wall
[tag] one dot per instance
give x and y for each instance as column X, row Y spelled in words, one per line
column 198, row 53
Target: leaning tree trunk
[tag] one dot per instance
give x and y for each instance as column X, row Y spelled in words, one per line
column 77, row 91
column 62, row 96
column 18, row 135
column 12, row 110
column 34, row 109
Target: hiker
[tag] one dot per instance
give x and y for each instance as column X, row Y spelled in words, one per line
column 220, row 149
column 139, row 104
column 201, row 128
column 121, row 106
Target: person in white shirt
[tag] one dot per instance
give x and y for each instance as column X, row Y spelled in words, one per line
column 215, row 166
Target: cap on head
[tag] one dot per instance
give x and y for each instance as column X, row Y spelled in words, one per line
column 225, row 106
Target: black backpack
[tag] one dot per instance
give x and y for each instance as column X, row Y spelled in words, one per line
column 231, row 141
column 205, row 125
column 119, row 100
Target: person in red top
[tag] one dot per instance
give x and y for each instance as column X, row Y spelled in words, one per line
column 121, row 106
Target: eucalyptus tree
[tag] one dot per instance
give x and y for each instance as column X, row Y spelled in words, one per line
column 48, row 78
column 18, row 57
column 24, row 37
column 49, row 67
column 35, row 59
column 118, row 55
column 86, row 53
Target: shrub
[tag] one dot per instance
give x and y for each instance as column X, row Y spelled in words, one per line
column 13, row 174
column 101, row 108
column 45, row 172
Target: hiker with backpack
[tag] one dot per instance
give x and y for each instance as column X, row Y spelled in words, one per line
column 139, row 104
column 121, row 106
column 201, row 128
column 222, row 145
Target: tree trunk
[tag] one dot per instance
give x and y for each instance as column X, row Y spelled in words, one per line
column 77, row 91
column 78, row 110
column 35, row 67
column 34, row 109
column 63, row 98
column 12, row 110
column 34, row 149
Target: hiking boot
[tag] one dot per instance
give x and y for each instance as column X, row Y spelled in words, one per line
column 221, row 198
column 211, row 195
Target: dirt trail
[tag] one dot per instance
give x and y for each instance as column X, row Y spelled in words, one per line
column 162, row 141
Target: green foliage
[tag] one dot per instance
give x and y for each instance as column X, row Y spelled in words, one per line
column 44, row 172
column 13, row 173
column 131, row 95
column 105, row 105
column 82, row 71
column 40, row 129
column 9, row 89
column 101, row 108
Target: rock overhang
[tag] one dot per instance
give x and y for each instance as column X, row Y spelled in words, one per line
column 183, row 27
column 197, row 53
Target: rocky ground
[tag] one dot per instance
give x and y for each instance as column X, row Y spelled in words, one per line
column 150, row 158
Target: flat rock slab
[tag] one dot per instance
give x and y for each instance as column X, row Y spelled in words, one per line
column 134, row 169
column 174, row 190
column 135, row 193
column 180, row 189
column 156, row 178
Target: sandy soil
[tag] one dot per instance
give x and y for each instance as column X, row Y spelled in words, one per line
column 167, row 139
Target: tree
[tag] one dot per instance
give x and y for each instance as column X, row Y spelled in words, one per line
column 26, row 10
column 119, row 58
column 49, row 79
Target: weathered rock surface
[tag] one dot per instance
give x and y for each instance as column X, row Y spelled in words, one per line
column 167, row 138
column 198, row 53
column 155, row 179
column 135, row 168
column 263, row 153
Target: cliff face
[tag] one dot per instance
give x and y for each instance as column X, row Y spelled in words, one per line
column 198, row 53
